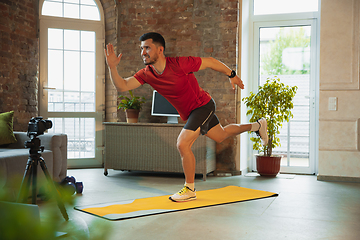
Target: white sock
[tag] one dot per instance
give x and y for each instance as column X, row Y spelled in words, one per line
column 190, row 185
column 255, row 126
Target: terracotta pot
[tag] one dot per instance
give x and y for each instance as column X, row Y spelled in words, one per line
column 132, row 115
column 268, row 166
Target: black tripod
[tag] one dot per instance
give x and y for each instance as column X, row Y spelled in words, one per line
column 31, row 174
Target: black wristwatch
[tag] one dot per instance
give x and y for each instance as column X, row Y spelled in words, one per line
column 233, row 74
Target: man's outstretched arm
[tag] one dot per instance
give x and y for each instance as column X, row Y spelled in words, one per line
column 218, row 66
column 112, row 61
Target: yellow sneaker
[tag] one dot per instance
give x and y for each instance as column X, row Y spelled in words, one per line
column 184, row 195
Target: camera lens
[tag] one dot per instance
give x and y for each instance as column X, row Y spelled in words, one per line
column 48, row 124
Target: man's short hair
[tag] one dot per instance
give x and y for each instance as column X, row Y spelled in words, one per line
column 156, row 37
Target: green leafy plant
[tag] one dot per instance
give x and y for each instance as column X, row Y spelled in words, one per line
column 274, row 102
column 130, row 103
column 15, row 223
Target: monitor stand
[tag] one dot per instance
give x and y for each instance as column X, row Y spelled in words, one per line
column 172, row 119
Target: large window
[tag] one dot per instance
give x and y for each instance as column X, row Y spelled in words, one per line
column 72, row 75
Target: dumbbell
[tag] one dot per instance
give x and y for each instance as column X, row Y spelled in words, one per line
column 70, row 184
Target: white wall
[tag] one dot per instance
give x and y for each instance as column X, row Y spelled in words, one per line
column 339, row 144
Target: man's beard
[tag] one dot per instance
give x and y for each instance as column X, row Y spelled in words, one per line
column 152, row 61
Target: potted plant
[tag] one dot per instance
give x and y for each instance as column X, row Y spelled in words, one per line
column 131, row 106
column 273, row 101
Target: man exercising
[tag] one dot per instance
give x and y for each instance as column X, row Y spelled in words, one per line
column 174, row 79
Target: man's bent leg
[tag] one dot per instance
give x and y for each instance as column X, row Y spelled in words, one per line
column 220, row 133
column 184, row 142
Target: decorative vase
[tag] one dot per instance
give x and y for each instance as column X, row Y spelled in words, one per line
column 268, row 166
column 132, row 115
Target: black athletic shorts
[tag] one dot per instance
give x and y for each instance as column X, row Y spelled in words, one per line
column 203, row 117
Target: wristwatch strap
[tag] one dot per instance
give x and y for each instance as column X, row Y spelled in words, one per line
column 233, row 74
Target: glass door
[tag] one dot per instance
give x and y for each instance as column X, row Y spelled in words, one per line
column 72, row 80
column 287, row 50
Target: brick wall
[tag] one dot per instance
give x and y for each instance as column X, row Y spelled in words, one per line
column 19, row 60
column 111, row 29
column 198, row 28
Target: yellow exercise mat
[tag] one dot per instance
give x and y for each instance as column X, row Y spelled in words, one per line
column 162, row 204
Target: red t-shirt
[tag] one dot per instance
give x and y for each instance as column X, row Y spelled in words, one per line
column 177, row 83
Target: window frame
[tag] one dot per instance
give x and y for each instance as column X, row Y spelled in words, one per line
column 249, row 67
column 99, row 113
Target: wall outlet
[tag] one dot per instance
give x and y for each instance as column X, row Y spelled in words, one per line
column 332, row 103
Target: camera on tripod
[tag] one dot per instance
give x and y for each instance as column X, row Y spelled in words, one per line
column 37, row 126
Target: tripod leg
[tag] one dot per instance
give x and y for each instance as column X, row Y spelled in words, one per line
column 53, row 187
column 25, row 184
column 34, row 181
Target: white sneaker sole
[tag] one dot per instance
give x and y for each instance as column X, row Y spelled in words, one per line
column 183, row 200
column 263, row 131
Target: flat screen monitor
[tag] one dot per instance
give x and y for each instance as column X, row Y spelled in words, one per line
column 161, row 107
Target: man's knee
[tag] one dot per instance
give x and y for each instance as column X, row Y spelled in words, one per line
column 180, row 145
column 185, row 140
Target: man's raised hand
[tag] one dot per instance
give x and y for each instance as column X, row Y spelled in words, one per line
column 111, row 59
column 236, row 81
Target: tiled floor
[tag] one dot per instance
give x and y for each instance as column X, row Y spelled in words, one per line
column 305, row 208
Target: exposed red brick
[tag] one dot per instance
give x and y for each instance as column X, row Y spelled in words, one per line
column 208, row 50
column 19, row 54
column 151, row 22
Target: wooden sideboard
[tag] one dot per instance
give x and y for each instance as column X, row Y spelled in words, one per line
column 152, row 147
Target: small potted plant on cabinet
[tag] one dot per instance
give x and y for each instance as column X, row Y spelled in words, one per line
column 274, row 101
column 131, row 106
